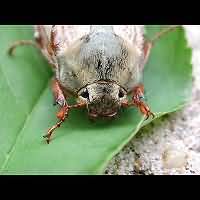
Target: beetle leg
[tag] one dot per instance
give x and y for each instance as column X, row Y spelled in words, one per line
column 147, row 49
column 41, row 40
column 145, row 110
column 163, row 32
column 58, row 94
column 53, row 39
column 148, row 44
column 21, row 43
column 61, row 115
column 138, row 96
column 60, row 99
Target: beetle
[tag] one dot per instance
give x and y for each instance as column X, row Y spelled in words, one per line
column 100, row 65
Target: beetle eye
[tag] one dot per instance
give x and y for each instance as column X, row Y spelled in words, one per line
column 121, row 94
column 85, row 94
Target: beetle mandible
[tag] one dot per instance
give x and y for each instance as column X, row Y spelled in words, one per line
column 100, row 65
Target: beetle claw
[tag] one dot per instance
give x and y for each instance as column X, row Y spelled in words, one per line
column 48, row 136
column 138, row 97
column 147, row 117
column 48, row 141
column 149, row 113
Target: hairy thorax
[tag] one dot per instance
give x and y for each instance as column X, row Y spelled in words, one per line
column 99, row 56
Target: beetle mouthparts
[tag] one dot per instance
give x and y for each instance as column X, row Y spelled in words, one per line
column 110, row 114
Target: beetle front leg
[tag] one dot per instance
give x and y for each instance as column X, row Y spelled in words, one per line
column 59, row 99
column 61, row 115
column 137, row 100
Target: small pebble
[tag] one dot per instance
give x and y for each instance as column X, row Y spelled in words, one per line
column 174, row 159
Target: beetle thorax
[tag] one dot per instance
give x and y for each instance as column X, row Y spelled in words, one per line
column 105, row 52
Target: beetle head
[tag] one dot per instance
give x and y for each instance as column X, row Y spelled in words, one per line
column 103, row 99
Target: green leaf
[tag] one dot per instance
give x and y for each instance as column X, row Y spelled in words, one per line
column 79, row 146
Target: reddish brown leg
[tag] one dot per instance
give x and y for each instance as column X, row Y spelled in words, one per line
column 20, row 43
column 147, row 49
column 164, row 32
column 53, row 39
column 137, row 100
column 58, row 94
column 59, row 98
column 41, row 40
column 138, row 96
column 148, row 44
column 63, row 113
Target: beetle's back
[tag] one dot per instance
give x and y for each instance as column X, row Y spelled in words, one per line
column 99, row 53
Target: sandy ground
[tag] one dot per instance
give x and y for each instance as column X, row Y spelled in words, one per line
column 170, row 145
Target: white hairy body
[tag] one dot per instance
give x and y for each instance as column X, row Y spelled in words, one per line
column 74, row 73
